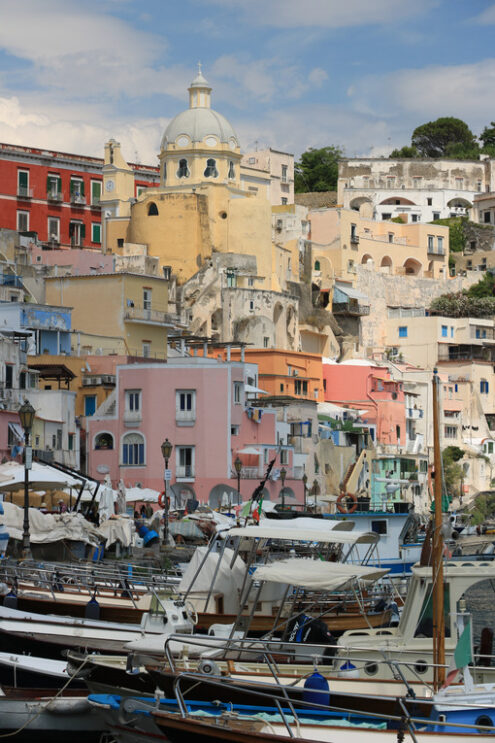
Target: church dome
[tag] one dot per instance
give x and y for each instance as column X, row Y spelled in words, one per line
column 199, row 123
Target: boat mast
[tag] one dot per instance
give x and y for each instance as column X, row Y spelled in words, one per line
column 437, row 551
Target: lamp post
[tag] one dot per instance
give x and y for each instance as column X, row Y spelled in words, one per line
column 283, row 473
column 305, row 482
column 315, row 489
column 238, row 468
column 26, row 416
column 166, row 452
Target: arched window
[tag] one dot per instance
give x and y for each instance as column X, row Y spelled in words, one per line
column 133, row 449
column 231, row 170
column 152, row 210
column 183, row 171
column 104, row 441
column 317, row 266
column 211, row 169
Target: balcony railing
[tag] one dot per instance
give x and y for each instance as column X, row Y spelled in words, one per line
column 139, row 314
column 255, row 473
column 414, row 414
column 432, row 250
column 54, row 195
column 77, row 198
column 184, row 471
column 354, row 239
column 10, row 280
column 23, row 192
column 349, row 308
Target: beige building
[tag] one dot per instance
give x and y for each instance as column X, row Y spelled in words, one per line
column 341, row 239
column 280, row 167
column 115, row 313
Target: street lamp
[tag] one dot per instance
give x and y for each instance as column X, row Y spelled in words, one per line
column 283, row 473
column 305, row 482
column 238, row 468
column 26, row 416
column 166, row 452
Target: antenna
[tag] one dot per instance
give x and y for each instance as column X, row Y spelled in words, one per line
column 199, row 67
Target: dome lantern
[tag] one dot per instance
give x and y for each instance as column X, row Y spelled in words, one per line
column 199, row 91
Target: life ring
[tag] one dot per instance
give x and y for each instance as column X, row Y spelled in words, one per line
column 342, row 503
column 161, row 500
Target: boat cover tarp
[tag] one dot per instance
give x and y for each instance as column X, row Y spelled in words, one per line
column 117, row 530
column 47, row 527
column 228, row 581
column 291, row 531
column 316, row 575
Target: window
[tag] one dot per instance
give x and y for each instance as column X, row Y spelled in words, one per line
column 436, row 215
column 231, row 170
column 250, row 282
column 140, row 190
column 152, row 210
column 430, row 242
column 70, row 442
column 450, row 432
column 251, row 305
column 238, row 393
column 489, row 447
column 77, row 191
column 281, row 386
column 146, row 298
column 234, row 430
column 284, row 173
column 284, row 200
column 429, row 201
column 379, row 527
column 284, row 456
column 89, row 405
column 251, row 160
column 317, row 266
column 77, row 233
column 146, row 349
column 96, row 233
column 440, row 244
column 54, row 187
column 133, row 450
column 403, row 331
column 484, row 386
column 478, row 186
column 22, row 221
column 231, row 276
column 133, row 401
column 23, row 183
column 9, row 376
column 266, row 341
column 353, row 232
column 414, row 217
column 459, row 183
column 417, row 181
column 54, row 229
column 95, row 192
column 185, row 406
column 183, row 171
column 211, row 168
column 390, row 237
column 386, row 216
column 300, row 387
column 469, row 264
column 486, row 217
column 184, row 461
column 444, row 331
column 104, row 441
column 451, row 331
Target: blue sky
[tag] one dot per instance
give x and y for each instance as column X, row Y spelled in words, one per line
column 289, row 74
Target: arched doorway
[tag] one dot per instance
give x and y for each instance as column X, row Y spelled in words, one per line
column 366, row 258
column 386, row 264
column 412, row 267
column 223, row 495
column 180, row 494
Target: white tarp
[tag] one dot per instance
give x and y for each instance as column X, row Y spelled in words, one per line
column 47, row 527
column 228, row 580
column 41, row 476
column 106, row 502
column 316, row 575
column 147, row 495
column 291, row 532
column 117, row 530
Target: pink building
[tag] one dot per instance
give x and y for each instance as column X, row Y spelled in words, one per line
column 200, row 405
column 360, row 384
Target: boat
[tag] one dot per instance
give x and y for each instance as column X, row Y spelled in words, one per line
column 27, row 671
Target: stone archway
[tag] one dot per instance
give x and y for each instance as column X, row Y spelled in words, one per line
column 180, row 494
column 223, row 495
column 366, row 257
column 386, row 264
column 412, row 267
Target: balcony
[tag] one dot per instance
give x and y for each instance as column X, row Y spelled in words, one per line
column 77, row 199
column 154, row 317
column 23, row 192
column 354, row 239
column 350, row 308
column 132, row 418
column 257, row 473
column 7, row 279
column 54, row 195
column 95, row 203
column 432, row 250
column 414, row 414
column 184, row 472
column 185, row 417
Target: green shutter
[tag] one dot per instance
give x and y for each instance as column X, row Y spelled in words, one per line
column 95, row 191
column 48, row 184
column 23, row 179
column 59, row 185
column 96, row 233
column 71, row 186
column 82, row 188
column 83, row 231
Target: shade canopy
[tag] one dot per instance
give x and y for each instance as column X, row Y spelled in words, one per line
column 294, row 533
column 249, row 450
column 40, row 476
column 315, row 574
column 147, row 495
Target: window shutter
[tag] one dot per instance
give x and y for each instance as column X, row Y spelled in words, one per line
column 71, row 229
column 71, row 186
column 48, row 183
column 82, row 188
column 23, row 179
column 83, row 230
column 59, row 185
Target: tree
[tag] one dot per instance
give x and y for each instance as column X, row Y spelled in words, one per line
column 436, row 137
column 487, row 136
column 461, row 305
column 406, row 152
column 317, row 170
column 452, row 470
column 484, row 288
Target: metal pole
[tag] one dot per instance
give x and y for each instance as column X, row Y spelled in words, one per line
column 165, row 515
column 26, row 547
column 437, row 561
column 239, row 499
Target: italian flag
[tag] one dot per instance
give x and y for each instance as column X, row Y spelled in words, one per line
column 463, row 655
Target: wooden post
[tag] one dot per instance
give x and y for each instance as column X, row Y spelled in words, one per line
column 437, row 561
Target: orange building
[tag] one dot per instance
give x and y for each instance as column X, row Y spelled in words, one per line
column 294, row 373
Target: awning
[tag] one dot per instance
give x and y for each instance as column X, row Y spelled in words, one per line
column 249, row 450
column 297, row 534
column 17, row 431
column 351, row 292
column 315, row 574
column 250, row 388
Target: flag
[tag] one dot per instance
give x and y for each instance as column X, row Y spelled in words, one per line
column 257, row 511
column 463, row 655
column 246, row 509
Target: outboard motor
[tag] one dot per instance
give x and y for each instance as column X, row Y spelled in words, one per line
column 308, row 630
column 92, row 609
column 10, row 600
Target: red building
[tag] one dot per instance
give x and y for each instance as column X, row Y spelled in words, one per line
column 57, row 195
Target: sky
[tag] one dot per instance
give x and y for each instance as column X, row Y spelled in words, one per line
column 288, row 74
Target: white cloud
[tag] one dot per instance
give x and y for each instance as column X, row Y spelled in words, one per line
column 317, row 76
column 327, row 13
column 486, row 17
column 464, row 91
